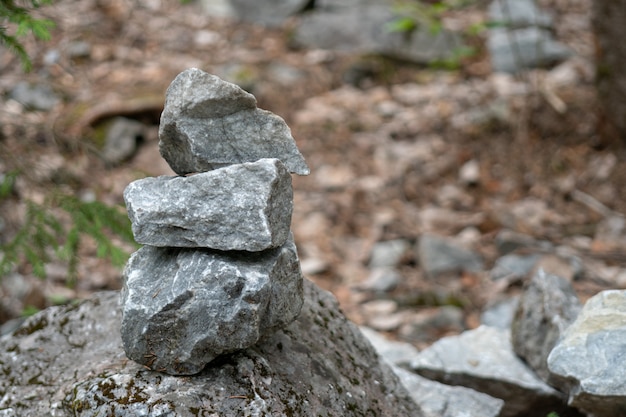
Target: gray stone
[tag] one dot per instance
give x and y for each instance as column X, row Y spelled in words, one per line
column 209, row 123
column 500, row 313
column 394, row 352
column 513, row 268
column 518, row 13
column 435, row 399
column 507, row 241
column 218, row 8
column 516, row 50
column 547, row 307
column 483, row 359
column 388, row 254
column 590, row 356
column 34, row 96
column 185, row 307
column 526, row 41
column 440, row 400
column 381, row 280
column 240, row 207
column 428, row 324
column 438, row 255
column 69, row 361
column 267, row 12
column 78, row 49
column 121, row 139
column 363, row 28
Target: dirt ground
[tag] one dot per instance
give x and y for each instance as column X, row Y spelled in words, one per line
column 385, row 141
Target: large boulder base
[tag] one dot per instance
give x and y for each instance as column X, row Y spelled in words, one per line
column 69, row 361
column 209, row 123
column 185, row 307
column 240, row 207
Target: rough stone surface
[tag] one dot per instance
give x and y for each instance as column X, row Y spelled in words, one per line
column 240, row 207
column 546, row 308
column 185, row 307
column 591, row 355
column 440, row 400
column 483, row 359
column 209, row 123
column 435, row 399
column 69, row 361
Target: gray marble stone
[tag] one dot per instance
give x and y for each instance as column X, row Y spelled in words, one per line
column 546, row 308
column 209, row 123
column 590, row 356
column 185, row 307
column 240, row 207
column 441, row 400
column 483, row 359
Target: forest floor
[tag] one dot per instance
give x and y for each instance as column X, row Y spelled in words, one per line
column 385, row 142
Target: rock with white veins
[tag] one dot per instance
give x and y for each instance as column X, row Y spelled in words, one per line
column 185, row 307
column 241, row 207
column 209, row 123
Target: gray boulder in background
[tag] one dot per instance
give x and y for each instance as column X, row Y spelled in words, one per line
column 364, row 28
column 185, row 307
column 267, row 12
column 69, row 361
column 122, row 135
column 441, row 400
column 518, row 13
column 483, row 359
column 439, row 255
column 526, row 40
column 546, row 308
column 209, row 123
column 590, row 356
column 240, row 207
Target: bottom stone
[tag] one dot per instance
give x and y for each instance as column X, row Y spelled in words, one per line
column 182, row 308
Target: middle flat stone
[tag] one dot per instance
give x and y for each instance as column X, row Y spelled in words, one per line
column 240, row 207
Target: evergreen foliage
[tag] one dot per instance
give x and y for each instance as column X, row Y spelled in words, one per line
column 21, row 16
column 44, row 235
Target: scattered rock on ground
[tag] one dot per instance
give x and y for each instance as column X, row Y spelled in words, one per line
column 438, row 255
column 267, row 12
column 525, row 42
column 363, row 27
column 590, row 355
column 441, row 400
column 483, row 359
column 39, row 97
column 546, row 308
column 121, row 139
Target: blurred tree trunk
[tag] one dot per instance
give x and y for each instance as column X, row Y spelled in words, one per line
column 609, row 24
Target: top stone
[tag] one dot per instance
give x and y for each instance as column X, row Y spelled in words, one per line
column 208, row 123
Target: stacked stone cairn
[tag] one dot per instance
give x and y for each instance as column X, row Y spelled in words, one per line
column 219, row 269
